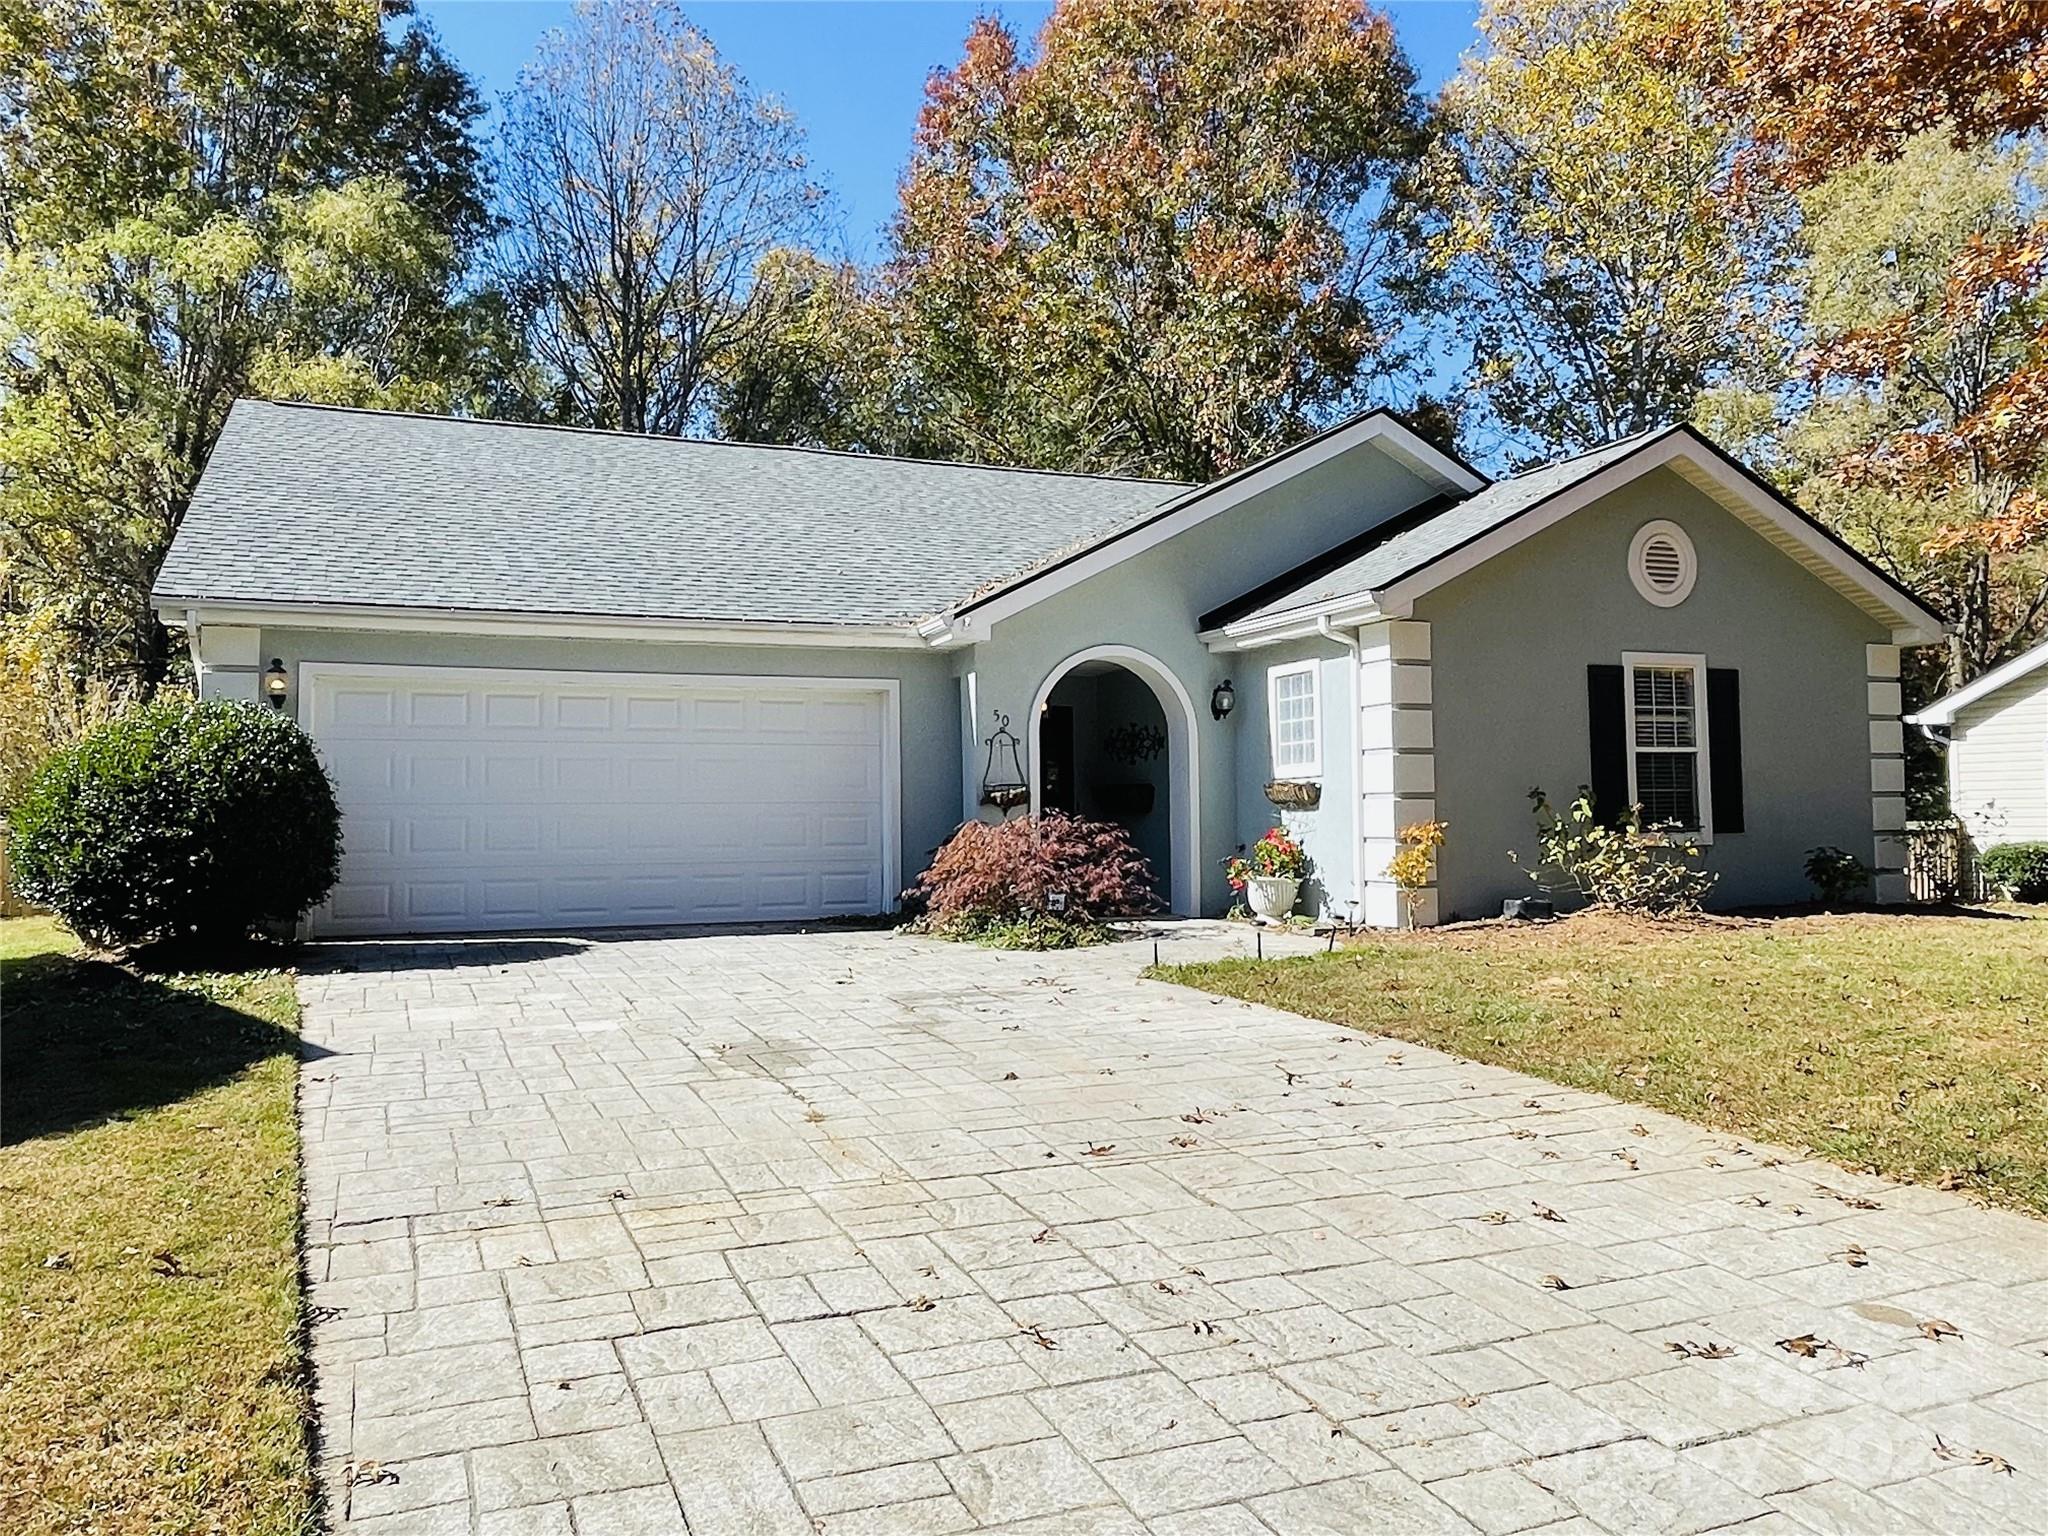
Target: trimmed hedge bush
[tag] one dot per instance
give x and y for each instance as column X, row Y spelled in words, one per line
column 181, row 820
column 2022, row 868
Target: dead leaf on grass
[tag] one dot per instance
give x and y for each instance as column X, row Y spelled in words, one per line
column 166, row 1264
column 57, row 1261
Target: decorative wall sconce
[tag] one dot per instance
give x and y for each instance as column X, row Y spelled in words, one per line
column 1223, row 700
column 276, row 683
column 1002, row 780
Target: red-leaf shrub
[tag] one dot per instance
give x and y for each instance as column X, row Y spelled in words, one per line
column 1010, row 869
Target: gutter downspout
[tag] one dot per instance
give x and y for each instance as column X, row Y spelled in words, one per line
column 1350, row 641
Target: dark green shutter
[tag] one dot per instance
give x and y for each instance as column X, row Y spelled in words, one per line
column 1724, row 746
column 1607, row 726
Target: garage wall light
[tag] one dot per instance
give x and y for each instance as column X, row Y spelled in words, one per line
column 1223, row 700
column 276, row 683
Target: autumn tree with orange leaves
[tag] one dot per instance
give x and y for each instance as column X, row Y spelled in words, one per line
column 1913, row 133
column 1151, row 246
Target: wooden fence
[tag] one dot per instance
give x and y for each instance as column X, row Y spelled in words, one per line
column 1941, row 863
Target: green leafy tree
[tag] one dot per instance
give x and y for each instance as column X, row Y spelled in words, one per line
column 1584, row 226
column 201, row 201
column 1152, row 246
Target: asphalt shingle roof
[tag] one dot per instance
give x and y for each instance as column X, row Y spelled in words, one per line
column 312, row 504
column 1407, row 545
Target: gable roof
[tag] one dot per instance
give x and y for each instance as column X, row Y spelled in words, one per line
column 1380, row 427
column 1405, row 557
column 319, row 506
column 1943, row 711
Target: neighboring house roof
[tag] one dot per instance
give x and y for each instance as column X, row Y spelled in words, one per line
column 322, row 506
column 1393, row 564
column 1943, row 711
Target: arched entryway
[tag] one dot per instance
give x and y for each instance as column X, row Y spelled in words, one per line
column 1113, row 739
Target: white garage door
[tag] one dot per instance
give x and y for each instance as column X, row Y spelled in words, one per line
column 477, row 800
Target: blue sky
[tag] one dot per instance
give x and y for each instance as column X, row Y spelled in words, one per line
column 853, row 70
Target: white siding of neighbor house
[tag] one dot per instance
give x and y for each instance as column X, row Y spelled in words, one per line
column 1998, row 763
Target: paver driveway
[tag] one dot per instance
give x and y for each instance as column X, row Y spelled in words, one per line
column 842, row 1232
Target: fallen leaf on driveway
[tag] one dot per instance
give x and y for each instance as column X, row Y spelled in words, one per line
column 1182, row 1141
column 1554, row 1282
column 1854, row 1202
column 1544, row 1212
column 1523, row 1135
column 1624, row 1155
column 1039, row 1336
column 1639, row 1130
column 1689, row 1349
column 1853, row 1256
column 920, row 1303
column 1101, row 1148
column 1041, row 1234
column 1937, row 1328
column 1805, row 1346
column 1009, row 1077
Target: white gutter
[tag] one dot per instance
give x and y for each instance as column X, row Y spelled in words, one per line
column 566, row 626
column 1350, row 641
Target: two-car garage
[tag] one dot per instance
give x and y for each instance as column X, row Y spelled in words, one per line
column 477, row 800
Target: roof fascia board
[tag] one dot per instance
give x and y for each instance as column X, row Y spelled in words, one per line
column 180, row 613
column 1399, row 442
column 1712, row 471
column 1943, row 711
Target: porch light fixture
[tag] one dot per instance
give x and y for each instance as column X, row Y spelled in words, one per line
column 276, row 683
column 1223, row 700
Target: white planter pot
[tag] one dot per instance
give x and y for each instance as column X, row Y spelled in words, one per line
column 1270, row 896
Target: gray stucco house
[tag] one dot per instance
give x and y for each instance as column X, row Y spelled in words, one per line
column 569, row 678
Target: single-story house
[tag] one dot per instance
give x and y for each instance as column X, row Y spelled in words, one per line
column 578, row 678
column 1996, row 729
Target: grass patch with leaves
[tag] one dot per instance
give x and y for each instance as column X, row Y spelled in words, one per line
column 1913, row 1045
column 151, row 1363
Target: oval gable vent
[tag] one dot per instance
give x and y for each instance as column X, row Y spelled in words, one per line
column 1662, row 565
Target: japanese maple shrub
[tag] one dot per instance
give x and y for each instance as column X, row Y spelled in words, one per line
column 1048, row 883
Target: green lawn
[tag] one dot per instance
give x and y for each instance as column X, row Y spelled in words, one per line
column 151, row 1371
column 1915, row 1045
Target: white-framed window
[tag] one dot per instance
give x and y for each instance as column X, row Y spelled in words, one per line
column 1294, row 706
column 1666, row 699
column 1662, row 563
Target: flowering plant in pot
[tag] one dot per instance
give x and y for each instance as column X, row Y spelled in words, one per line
column 1270, row 874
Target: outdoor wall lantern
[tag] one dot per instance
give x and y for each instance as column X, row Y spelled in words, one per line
column 1223, row 700
column 276, row 683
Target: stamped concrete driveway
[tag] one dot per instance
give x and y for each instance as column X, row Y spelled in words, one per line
column 842, row 1232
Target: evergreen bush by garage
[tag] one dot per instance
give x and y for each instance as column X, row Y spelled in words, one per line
column 180, row 821
column 2022, row 868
